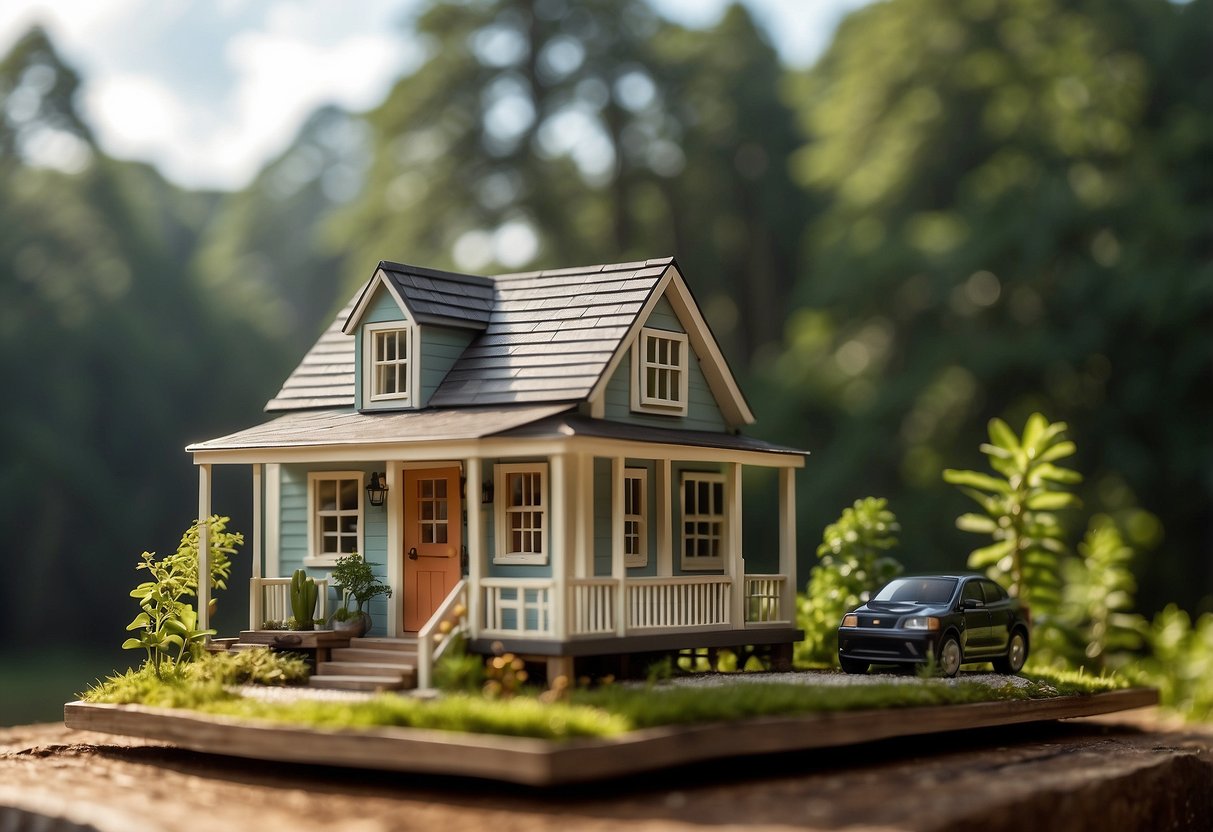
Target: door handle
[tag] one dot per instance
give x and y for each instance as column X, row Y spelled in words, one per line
column 413, row 553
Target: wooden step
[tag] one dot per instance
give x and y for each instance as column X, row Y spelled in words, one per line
column 363, row 669
column 368, row 683
column 361, row 654
column 402, row 645
column 244, row 645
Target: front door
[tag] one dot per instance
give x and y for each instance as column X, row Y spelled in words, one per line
column 433, row 535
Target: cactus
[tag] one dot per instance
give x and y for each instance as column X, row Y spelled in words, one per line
column 303, row 599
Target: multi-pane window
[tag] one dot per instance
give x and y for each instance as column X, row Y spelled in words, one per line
column 661, row 371
column 635, row 535
column 522, row 510
column 702, row 521
column 335, row 500
column 432, row 509
column 389, row 373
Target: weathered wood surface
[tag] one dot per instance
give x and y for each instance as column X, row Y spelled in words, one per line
column 542, row 763
column 1074, row 775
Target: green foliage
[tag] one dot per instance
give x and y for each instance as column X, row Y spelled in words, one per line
column 166, row 627
column 853, row 565
column 1181, row 663
column 1018, row 507
column 303, row 599
column 354, row 578
column 200, row 682
column 457, row 670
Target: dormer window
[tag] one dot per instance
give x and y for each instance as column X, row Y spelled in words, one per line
column 390, row 363
column 659, row 384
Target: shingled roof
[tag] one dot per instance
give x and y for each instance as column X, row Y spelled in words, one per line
column 542, row 336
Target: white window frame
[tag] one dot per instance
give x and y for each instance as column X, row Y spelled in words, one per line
column 502, row 508
column 315, row 536
column 695, row 563
column 408, row 333
column 641, row 556
column 642, row 401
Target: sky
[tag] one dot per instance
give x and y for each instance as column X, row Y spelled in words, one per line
column 209, row 90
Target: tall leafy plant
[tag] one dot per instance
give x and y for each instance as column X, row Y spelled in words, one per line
column 1099, row 597
column 167, row 625
column 1019, row 506
column 853, row 564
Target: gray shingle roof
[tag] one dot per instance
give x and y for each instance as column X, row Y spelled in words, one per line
column 544, row 336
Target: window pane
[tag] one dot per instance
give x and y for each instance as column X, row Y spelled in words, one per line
column 349, row 545
column 441, row 509
column 439, row 488
column 440, row 533
column 328, row 523
column 326, row 495
column 427, row 510
column 349, row 524
column 349, row 495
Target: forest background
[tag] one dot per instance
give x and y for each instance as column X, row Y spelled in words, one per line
column 963, row 209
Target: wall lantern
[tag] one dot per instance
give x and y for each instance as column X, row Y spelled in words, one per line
column 376, row 489
column 486, row 491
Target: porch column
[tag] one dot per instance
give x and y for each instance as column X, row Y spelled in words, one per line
column 393, row 503
column 583, row 523
column 787, row 543
column 734, row 565
column 204, row 547
column 618, row 571
column 665, row 519
column 558, row 544
column 476, row 567
column 254, row 601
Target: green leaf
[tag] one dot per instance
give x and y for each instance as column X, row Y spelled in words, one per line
column 141, row 620
column 132, row 644
column 990, row 555
column 1033, row 431
column 976, row 479
column 1052, row 500
column 978, row 523
column 1002, row 435
column 1059, row 451
column 1055, row 473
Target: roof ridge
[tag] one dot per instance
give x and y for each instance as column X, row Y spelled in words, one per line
column 393, row 266
column 594, row 268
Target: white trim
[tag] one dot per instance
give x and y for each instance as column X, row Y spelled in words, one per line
column 394, row 503
column 258, row 521
column 273, row 520
column 787, row 541
column 501, row 498
column 408, row 332
column 557, row 527
column 204, row 547
column 641, row 556
column 315, row 556
column 665, row 519
column 735, row 566
column 583, row 531
column 365, row 297
column 618, row 568
column 476, row 554
column 646, row 401
column 720, row 517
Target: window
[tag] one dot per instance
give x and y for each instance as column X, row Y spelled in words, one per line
column 334, row 515
column 702, row 521
column 389, row 359
column 660, row 377
column 635, row 514
column 521, row 513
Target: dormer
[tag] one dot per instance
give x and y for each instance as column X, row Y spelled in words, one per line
column 410, row 325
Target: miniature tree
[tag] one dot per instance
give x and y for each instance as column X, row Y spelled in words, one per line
column 354, row 578
column 853, row 565
column 1019, row 505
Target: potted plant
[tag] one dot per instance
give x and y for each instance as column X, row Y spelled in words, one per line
column 355, row 580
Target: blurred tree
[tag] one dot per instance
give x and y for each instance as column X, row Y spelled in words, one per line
column 110, row 357
column 1017, row 215
column 540, row 131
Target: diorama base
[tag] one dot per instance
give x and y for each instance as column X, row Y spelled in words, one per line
column 539, row 762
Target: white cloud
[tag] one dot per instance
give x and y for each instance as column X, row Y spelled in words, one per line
column 137, row 113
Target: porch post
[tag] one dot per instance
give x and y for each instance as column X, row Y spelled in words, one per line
column 618, row 570
column 583, row 529
column 734, row 565
column 787, row 543
column 471, row 469
column 393, row 504
column 254, row 601
column 665, row 520
column 204, row 547
column 558, row 544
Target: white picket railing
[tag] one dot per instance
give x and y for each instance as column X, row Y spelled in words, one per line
column 517, row 607
column 678, row 602
column 432, row 641
column 763, row 599
column 592, row 606
column 270, row 600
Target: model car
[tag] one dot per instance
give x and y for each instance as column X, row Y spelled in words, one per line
column 951, row 619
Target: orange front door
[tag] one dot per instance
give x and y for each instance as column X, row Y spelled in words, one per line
column 433, row 536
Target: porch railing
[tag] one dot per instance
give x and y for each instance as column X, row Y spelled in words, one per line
column 433, row 639
column 517, row 607
column 679, row 602
column 764, row 600
column 592, row 606
column 270, row 600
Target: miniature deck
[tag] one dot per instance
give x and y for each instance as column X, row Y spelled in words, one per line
column 538, row 762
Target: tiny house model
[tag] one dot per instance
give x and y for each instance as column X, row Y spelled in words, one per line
column 553, row 459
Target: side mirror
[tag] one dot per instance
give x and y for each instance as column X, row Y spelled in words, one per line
column 971, row 604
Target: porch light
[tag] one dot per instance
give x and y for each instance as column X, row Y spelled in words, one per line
column 486, row 491
column 376, row 489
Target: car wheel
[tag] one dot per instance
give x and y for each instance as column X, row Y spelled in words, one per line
column 853, row 666
column 1017, row 654
column 949, row 656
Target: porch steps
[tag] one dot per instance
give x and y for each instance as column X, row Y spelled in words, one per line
column 369, row 664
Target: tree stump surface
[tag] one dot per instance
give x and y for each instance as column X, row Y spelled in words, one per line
column 1132, row 771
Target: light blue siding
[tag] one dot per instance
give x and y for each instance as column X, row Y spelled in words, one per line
column 602, row 518
column 441, row 347
column 293, row 536
column 382, row 309
column 703, row 413
column 512, row 570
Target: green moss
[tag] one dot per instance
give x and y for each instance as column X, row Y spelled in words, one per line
column 201, row 682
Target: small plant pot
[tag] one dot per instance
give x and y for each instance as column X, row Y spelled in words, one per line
column 355, row 626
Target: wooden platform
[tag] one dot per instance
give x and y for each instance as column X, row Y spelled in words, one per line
column 546, row 763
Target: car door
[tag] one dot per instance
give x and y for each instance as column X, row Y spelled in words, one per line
column 1001, row 612
column 976, row 618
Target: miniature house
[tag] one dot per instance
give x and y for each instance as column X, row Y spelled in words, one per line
column 556, row 453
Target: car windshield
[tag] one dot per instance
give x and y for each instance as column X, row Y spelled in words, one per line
column 918, row 590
